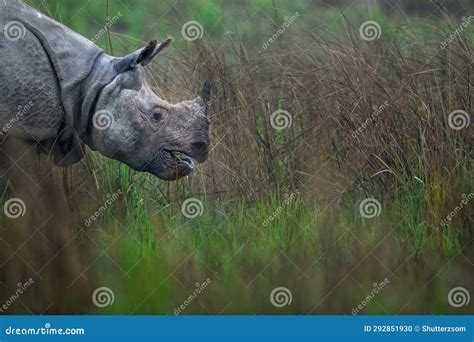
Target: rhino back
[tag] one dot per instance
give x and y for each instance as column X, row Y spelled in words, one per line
column 30, row 104
column 43, row 69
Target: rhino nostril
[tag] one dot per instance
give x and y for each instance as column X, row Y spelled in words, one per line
column 199, row 148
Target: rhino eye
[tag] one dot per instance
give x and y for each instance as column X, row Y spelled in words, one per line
column 157, row 115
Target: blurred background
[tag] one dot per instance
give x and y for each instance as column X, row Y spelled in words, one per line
column 317, row 107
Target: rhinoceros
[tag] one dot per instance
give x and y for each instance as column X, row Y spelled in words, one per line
column 60, row 92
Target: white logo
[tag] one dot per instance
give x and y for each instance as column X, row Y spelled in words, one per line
column 370, row 30
column 459, row 119
column 14, row 208
column 370, row 208
column 281, row 119
column 192, row 30
column 280, row 297
column 14, row 30
column 458, row 296
column 192, row 207
column 102, row 120
column 102, row 297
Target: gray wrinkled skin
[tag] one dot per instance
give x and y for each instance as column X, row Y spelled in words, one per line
column 60, row 91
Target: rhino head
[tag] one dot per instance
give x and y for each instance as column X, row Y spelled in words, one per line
column 135, row 126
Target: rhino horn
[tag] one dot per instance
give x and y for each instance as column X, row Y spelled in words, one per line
column 206, row 91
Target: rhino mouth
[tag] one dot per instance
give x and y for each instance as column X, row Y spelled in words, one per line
column 181, row 158
column 175, row 164
column 171, row 164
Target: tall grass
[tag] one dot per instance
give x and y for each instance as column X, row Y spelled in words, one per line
column 336, row 153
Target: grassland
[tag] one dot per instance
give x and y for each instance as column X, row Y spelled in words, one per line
column 280, row 208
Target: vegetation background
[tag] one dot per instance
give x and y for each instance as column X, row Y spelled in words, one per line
column 280, row 208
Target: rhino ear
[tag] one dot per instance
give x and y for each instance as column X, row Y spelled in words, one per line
column 142, row 56
column 151, row 50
